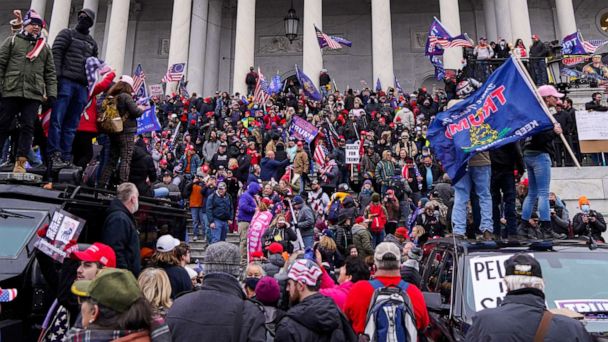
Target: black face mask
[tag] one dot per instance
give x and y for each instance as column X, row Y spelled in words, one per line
column 84, row 24
column 551, row 203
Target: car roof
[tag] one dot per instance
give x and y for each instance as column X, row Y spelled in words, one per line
column 467, row 247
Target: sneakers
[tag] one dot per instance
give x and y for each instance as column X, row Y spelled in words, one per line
column 57, row 162
column 548, row 233
column 487, row 235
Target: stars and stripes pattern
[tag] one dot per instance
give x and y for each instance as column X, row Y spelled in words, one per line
column 319, row 155
column 7, row 295
column 183, row 91
column 139, row 79
column 260, row 94
column 458, row 41
column 91, row 68
column 592, row 45
column 174, row 73
column 326, row 40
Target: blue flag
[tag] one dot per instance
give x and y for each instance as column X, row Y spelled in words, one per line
column 398, row 85
column 435, row 30
column 438, row 64
column 343, row 41
column 275, row 85
column 378, row 85
column 572, row 44
column 244, row 99
column 502, row 111
column 309, row 88
column 148, row 122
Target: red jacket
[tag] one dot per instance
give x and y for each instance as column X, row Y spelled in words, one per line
column 88, row 121
column 361, row 294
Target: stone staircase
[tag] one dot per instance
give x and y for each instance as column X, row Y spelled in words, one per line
column 197, row 248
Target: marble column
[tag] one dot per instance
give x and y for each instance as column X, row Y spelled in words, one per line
column 212, row 49
column 60, row 18
column 382, row 43
column 117, row 36
column 489, row 12
column 244, row 44
column 520, row 21
column 94, row 6
column 39, row 6
column 450, row 18
column 198, row 37
column 503, row 20
column 106, row 30
column 312, row 57
column 565, row 17
column 180, row 37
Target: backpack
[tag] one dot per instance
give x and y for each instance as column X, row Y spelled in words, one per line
column 390, row 316
column 333, row 214
column 379, row 220
column 109, row 119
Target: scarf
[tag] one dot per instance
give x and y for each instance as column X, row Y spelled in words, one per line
column 40, row 43
column 405, row 173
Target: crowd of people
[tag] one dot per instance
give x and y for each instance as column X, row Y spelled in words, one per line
column 313, row 228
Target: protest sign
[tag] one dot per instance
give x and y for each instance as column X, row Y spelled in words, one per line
column 156, row 90
column 352, row 154
column 583, row 305
column 302, row 129
column 63, row 228
column 591, row 125
column 487, row 275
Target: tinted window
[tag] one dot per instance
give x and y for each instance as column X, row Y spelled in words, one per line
column 15, row 232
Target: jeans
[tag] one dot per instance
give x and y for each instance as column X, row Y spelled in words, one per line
column 198, row 220
column 11, row 108
column 539, row 71
column 503, row 191
column 308, row 240
column 377, row 238
column 219, row 232
column 243, row 230
column 71, row 100
column 479, row 178
column 104, row 141
column 538, row 167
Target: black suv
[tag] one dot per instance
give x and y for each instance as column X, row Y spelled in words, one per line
column 460, row 278
column 26, row 207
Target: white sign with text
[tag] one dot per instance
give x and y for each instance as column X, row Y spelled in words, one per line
column 352, row 154
column 592, row 125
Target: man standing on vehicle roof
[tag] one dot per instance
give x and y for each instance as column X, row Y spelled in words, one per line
column 524, row 309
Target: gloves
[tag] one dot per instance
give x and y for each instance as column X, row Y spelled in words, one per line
column 50, row 101
column 42, row 231
column 70, row 247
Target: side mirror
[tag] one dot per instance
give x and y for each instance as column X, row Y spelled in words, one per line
column 434, row 303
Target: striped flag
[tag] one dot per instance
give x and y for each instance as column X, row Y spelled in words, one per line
column 260, row 94
column 458, row 41
column 139, row 82
column 593, row 44
column 174, row 73
column 326, row 40
column 182, row 87
column 7, row 295
column 319, row 155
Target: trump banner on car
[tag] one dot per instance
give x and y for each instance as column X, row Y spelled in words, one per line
column 504, row 110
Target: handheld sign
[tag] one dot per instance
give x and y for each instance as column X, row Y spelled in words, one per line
column 487, row 274
column 63, row 229
column 352, row 154
column 156, row 90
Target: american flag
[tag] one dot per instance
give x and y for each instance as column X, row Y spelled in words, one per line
column 593, row 44
column 174, row 73
column 319, row 155
column 183, row 91
column 7, row 295
column 260, row 94
column 326, row 40
column 458, row 41
column 139, row 79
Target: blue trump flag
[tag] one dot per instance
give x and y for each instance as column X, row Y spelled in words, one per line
column 148, row 122
column 275, row 84
column 436, row 29
column 378, row 85
column 309, row 88
column 572, row 44
column 502, row 111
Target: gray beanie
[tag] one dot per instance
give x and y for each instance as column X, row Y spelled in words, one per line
column 222, row 257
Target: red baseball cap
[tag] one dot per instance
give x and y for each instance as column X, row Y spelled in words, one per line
column 275, row 248
column 98, row 252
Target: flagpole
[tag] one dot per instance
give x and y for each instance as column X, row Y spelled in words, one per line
column 545, row 108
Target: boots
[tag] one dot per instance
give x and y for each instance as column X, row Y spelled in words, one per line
column 57, row 162
column 526, row 231
column 548, row 233
column 20, row 165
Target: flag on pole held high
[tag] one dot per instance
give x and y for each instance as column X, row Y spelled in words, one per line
column 319, row 155
column 378, row 85
column 572, row 44
column 592, row 45
column 139, row 82
column 260, row 94
column 462, row 40
column 398, row 85
column 275, row 84
column 331, row 42
column 504, row 110
column 438, row 31
column 183, row 91
column 174, row 73
column 307, row 85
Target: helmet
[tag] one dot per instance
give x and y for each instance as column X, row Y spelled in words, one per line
column 343, row 187
column 465, row 88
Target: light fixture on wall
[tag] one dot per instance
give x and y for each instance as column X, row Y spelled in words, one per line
column 291, row 24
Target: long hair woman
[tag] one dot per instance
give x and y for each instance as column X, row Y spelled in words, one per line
column 156, row 288
column 122, row 144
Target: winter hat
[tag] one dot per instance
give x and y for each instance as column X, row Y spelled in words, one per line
column 367, row 181
column 402, row 232
column 375, row 197
column 304, row 271
column 328, row 233
column 415, row 254
column 251, row 282
column 275, row 248
column 423, row 201
column 222, row 257
column 32, row 17
column 298, row 200
column 267, row 291
column 582, row 200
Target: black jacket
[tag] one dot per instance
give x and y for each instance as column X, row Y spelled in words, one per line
column 179, row 279
column 129, row 111
column 142, row 168
column 507, row 158
column 539, row 49
column 70, row 52
column 595, row 228
column 594, row 106
column 541, row 142
column 523, row 310
column 316, row 318
column 211, row 313
column 120, row 233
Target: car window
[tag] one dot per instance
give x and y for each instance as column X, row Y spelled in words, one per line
column 432, row 273
column 444, row 283
column 15, row 232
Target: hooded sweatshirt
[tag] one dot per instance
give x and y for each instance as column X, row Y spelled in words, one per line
column 247, row 204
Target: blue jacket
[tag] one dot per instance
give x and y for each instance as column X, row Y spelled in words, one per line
column 219, row 208
column 270, row 168
column 247, row 204
column 195, row 162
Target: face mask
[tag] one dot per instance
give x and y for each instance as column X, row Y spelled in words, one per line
column 83, row 25
column 585, row 208
column 551, row 203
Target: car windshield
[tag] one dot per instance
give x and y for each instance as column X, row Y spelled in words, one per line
column 16, row 229
column 573, row 280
